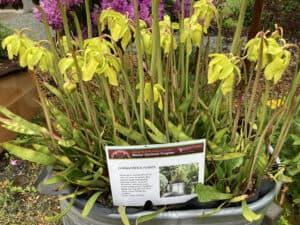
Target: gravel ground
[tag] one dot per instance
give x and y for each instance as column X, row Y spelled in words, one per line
column 21, row 203
column 17, row 19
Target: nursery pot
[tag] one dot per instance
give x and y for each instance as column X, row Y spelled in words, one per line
column 177, row 187
column 102, row 215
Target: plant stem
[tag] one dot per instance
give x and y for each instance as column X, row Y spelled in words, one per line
column 254, row 88
column 239, row 28
column 110, row 103
column 258, row 147
column 88, row 18
column 140, row 67
column 78, row 30
column 197, row 78
column 156, row 55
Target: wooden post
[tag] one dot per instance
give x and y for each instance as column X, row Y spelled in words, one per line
column 256, row 18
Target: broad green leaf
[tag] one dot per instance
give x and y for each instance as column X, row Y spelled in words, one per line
column 248, row 213
column 41, row 148
column 156, row 135
column 149, row 216
column 54, row 91
column 29, row 154
column 213, row 211
column 186, row 103
column 19, row 125
column 177, row 133
column 119, row 141
column 131, row 134
column 53, row 180
column 64, row 159
column 79, row 138
column 208, row 193
column 297, row 200
column 66, row 143
column 296, row 139
column 219, row 135
column 225, row 156
column 90, row 203
column 238, row 198
column 124, row 218
column 92, row 183
column 98, row 173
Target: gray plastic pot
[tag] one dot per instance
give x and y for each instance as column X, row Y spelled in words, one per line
column 101, row 215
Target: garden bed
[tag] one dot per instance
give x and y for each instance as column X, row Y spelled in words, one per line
column 21, row 203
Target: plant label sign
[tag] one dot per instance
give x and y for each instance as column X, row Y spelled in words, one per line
column 162, row 173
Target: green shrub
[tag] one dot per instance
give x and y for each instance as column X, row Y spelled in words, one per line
column 231, row 12
column 285, row 14
column 4, row 32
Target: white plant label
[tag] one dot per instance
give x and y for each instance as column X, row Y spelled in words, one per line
column 161, row 173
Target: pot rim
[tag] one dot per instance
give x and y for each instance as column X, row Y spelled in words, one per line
column 110, row 213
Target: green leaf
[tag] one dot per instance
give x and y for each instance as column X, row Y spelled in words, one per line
column 248, row 213
column 208, row 193
column 61, row 215
column 297, row 200
column 19, row 125
column 54, row 91
column 296, row 139
column 53, row 180
column 186, row 104
column 149, row 216
column 238, row 198
column 66, row 143
column 226, row 156
column 131, row 134
column 42, row 148
column 213, row 211
column 90, row 203
column 124, row 218
column 157, row 135
column 92, row 183
column 177, row 133
column 219, row 135
column 29, row 154
column 119, row 141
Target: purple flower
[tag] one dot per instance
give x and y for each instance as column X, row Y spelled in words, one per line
column 126, row 7
column 52, row 11
column 121, row 6
column 95, row 15
column 14, row 162
column 4, row 2
column 176, row 8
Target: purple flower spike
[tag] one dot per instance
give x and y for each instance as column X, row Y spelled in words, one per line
column 52, row 11
column 176, row 8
